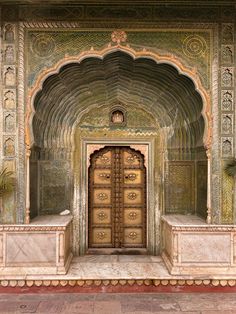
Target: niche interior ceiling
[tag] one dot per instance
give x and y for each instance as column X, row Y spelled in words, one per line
column 168, row 95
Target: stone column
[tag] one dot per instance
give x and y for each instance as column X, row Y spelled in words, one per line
column 27, row 192
column 209, row 211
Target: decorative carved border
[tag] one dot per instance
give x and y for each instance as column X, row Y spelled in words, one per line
column 118, row 283
column 21, row 189
column 20, row 228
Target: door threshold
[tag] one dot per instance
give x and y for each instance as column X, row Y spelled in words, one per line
column 118, row 251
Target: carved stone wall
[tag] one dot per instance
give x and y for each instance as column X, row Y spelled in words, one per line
column 9, row 151
column 40, row 41
column 227, row 119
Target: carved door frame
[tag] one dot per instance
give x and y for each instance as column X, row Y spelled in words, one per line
column 146, row 147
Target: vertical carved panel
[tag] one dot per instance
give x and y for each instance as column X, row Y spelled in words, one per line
column 227, row 118
column 201, row 173
column 227, row 33
column 227, row 198
column 9, row 122
column 9, row 54
column 1, row 97
column 227, row 54
column 9, row 99
column 227, row 97
column 1, row 248
column 8, row 118
column 179, row 188
column 227, row 123
column 227, row 77
column 9, row 147
column 227, row 146
column 54, row 186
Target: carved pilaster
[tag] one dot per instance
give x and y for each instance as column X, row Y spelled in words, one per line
column 215, row 147
column 1, row 92
column 8, row 109
column 21, row 127
column 227, row 79
column 209, row 210
column 27, row 193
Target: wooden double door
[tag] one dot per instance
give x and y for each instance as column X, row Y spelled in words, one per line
column 117, row 199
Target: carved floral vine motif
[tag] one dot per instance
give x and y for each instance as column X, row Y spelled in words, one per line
column 227, row 100
column 9, row 32
column 227, row 77
column 9, row 99
column 227, row 54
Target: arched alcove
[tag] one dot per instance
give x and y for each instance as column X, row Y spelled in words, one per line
column 76, row 103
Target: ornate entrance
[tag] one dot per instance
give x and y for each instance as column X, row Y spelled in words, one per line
column 117, row 199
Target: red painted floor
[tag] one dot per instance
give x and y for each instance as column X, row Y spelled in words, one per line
column 102, row 303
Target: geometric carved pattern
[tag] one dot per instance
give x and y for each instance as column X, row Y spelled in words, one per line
column 227, row 198
column 194, row 46
column 201, row 172
column 179, row 188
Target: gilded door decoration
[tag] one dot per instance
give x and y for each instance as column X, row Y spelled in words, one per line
column 117, row 199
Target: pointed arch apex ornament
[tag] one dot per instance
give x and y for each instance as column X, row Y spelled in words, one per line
column 167, row 58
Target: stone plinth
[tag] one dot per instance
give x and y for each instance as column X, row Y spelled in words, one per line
column 192, row 247
column 42, row 247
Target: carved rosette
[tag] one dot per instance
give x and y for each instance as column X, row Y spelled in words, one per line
column 194, row 46
column 43, row 45
column 102, row 215
column 102, row 196
column 133, row 235
column 133, row 215
column 132, row 196
column 119, row 36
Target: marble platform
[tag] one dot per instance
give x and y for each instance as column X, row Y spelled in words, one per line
column 40, row 254
column 190, row 246
column 41, row 247
column 89, row 270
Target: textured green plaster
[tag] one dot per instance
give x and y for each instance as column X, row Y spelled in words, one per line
column 72, row 43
